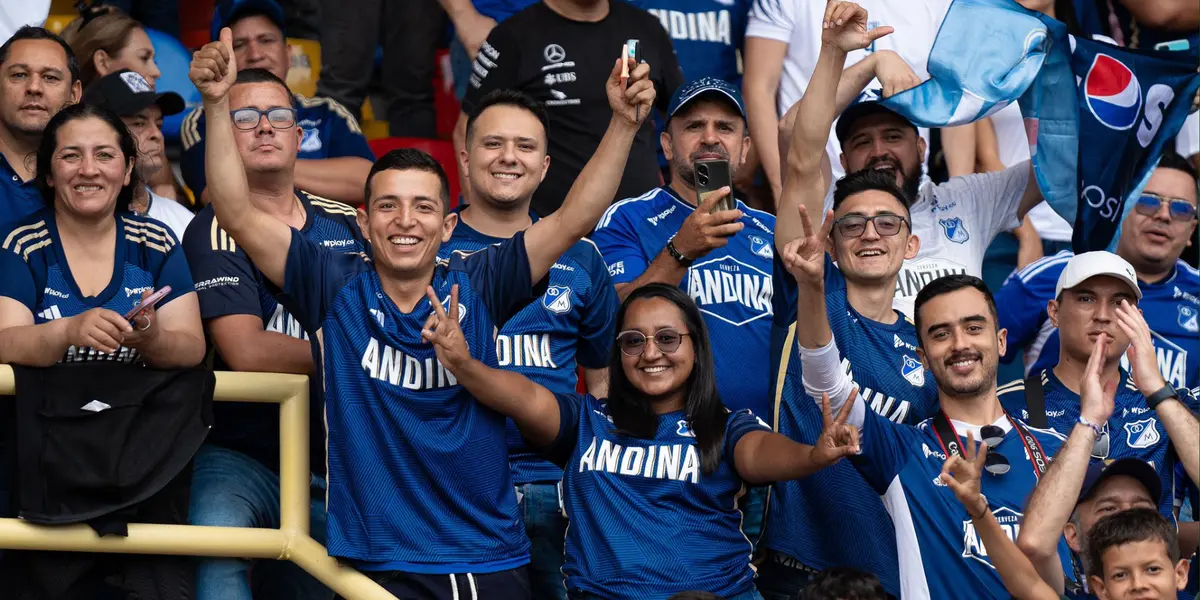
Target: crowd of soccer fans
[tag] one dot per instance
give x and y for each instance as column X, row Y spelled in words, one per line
column 707, row 319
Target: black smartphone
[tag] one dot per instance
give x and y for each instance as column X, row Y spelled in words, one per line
column 712, row 175
column 635, row 51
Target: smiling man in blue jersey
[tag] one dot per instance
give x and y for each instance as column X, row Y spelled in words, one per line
column 236, row 478
column 722, row 259
column 1097, row 294
column 868, row 236
column 570, row 324
column 1153, row 236
column 420, row 493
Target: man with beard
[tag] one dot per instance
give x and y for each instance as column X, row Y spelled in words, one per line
column 38, row 77
column 722, row 259
column 956, row 220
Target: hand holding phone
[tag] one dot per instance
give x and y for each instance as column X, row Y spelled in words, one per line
column 712, row 175
column 147, row 302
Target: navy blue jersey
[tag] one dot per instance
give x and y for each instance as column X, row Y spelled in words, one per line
column 330, row 131
column 418, row 469
column 18, row 198
column 731, row 285
column 806, row 519
column 1169, row 306
column 571, row 323
column 34, row 272
column 1134, row 430
column 228, row 283
column 941, row 555
column 646, row 522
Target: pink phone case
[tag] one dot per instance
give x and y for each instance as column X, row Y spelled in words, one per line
column 148, row 302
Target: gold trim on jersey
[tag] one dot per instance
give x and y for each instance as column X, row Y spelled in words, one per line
column 189, row 130
column 334, row 106
column 331, row 206
column 220, row 240
column 36, row 234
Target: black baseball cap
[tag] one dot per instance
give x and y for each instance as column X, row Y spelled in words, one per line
column 126, row 93
column 1136, row 468
column 868, row 104
column 229, row 11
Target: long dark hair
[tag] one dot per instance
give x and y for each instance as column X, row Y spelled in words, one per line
column 49, row 145
column 631, row 409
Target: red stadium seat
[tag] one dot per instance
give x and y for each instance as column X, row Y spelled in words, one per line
column 441, row 150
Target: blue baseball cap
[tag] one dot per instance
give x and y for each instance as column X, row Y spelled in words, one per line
column 229, row 11
column 865, row 105
column 1099, row 470
column 703, row 87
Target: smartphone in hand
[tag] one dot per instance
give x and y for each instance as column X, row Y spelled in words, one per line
column 712, row 175
column 149, row 301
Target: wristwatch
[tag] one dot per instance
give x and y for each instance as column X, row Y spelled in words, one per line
column 677, row 255
column 1168, row 391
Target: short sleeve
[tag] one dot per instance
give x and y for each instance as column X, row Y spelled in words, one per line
column 16, row 280
column 312, row 279
column 175, row 273
column 1021, row 305
column 596, row 327
column 883, row 450
column 191, row 162
column 620, row 246
column 225, row 278
column 993, row 197
column 345, row 136
column 1191, row 399
column 737, row 426
column 772, row 19
column 500, row 277
column 569, row 406
column 495, row 66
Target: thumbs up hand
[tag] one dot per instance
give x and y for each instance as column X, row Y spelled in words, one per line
column 214, row 68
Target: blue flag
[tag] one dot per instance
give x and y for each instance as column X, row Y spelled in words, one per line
column 1098, row 116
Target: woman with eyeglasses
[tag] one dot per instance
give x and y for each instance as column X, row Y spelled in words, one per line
column 71, row 273
column 653, row 473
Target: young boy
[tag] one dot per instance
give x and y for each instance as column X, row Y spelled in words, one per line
column 1135, row 554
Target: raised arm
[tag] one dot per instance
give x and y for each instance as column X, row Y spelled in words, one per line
column 533, row 408
column 1053, row 499
column 844, row 29
column 962, row 476
column 340, row 178
column 265, row 239
column 595, row 188
column 1180, row 423
column 760, row 84
column 766, row 457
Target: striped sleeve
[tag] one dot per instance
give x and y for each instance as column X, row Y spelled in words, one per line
column 772, row 19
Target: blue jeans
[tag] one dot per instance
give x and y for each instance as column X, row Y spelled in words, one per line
column 547, row 530
column 230, row 489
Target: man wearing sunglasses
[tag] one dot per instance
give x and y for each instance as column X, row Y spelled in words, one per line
column 833, row 316
column 236, row 478
column 1153, row 235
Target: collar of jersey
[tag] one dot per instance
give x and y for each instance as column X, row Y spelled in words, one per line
column 1050, row 380
column 962, row 428
column 670, row 192
column 8, row 172
column 467, row 232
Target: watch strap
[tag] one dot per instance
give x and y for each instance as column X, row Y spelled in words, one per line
column 1166, row 392
column 677, row 255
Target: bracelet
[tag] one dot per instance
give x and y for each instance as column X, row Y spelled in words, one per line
column 1167, row 392
column 1098, row 430
column 986, row 507
column 677, row 255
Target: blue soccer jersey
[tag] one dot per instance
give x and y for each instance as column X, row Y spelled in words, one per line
column 418, row 470
column 731, row 285
column 34, row 272
column 646, row 521
column 571, row 323
column 329, row 131
column 1134, row 430
column 806, row 519
column 228, row 283
column 1170, row 307
column 941, row 556
column 707, row 34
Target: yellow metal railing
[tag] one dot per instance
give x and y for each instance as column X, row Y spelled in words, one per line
column 290, row 542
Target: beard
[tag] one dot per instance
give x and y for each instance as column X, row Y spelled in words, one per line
column 683, row 168
column 910, row 181
column 966, row 389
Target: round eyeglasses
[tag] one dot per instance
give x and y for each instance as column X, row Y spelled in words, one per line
column 633, row 343
column 852, row 226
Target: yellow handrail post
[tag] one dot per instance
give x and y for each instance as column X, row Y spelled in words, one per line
column 295, row 475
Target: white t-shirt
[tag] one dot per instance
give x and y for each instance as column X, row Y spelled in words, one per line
column 956, row 222
column 170, row 213
column 1013, row 144
column 798, row 24
column 18, row 13
column 1187, row 143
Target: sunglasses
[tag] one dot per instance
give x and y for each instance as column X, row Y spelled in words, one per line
column 249, row 118
column 1102, row 444
column 995, row 463
column 1149, row 204
column 633, row 343
column 852, row 226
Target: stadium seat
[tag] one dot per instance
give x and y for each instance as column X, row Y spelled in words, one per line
column 173, row 60
column 441, row 150
column 444, row 102
column 194, row 19
column 58, row 22
column 305, row 66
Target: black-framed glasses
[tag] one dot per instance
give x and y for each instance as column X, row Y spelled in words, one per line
column 633, row 343
column 279, row 117
column 852, row 226
column 995, row 463
column 1149, row 204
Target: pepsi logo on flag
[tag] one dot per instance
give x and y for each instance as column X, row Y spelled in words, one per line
column 1112, row 93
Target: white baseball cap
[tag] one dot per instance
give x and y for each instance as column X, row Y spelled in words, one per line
column 1084, row 266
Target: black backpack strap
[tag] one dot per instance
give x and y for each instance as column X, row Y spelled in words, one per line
column 1035, row 402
